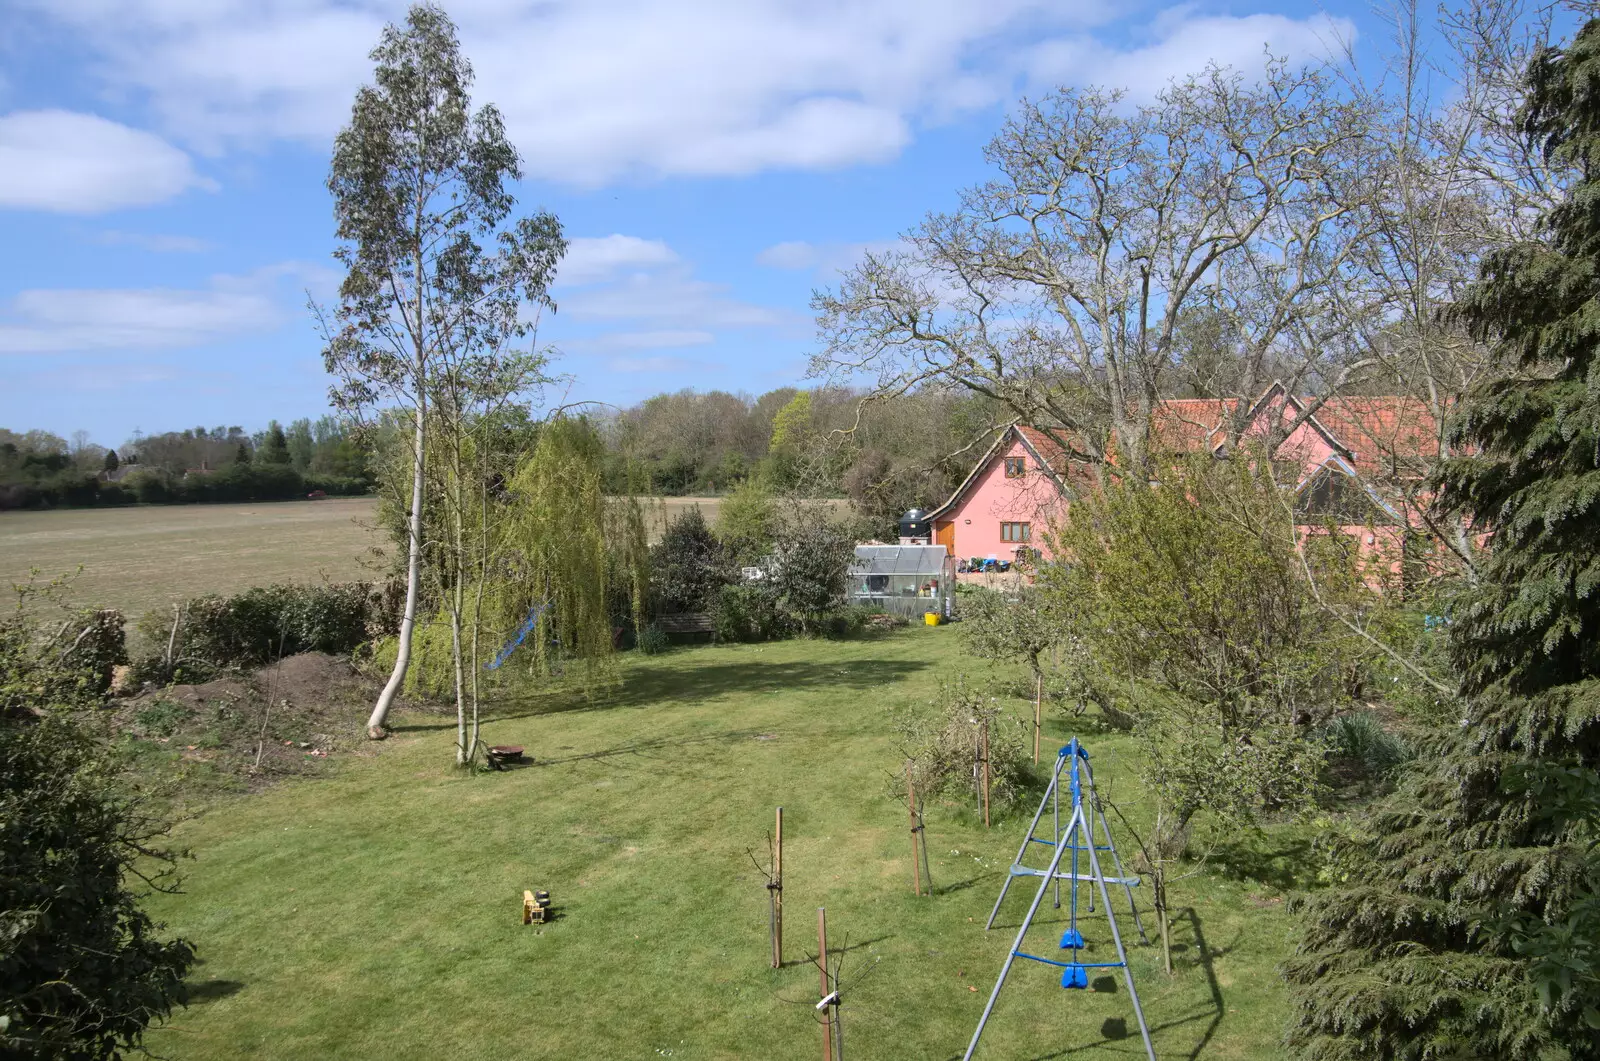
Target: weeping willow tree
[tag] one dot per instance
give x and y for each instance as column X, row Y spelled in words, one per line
column 629, row 547
column 543, row 553
column 554, row 570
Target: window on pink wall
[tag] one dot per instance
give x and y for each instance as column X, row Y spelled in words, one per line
column 1016, row 467
column 1016, row 532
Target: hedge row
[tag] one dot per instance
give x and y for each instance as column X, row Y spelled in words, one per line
column 264, row 624
column 237, row 482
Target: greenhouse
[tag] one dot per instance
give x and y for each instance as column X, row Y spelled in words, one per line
column 904, row 579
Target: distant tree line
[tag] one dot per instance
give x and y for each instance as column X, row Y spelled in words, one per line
column 42, row 470
column 886, row 455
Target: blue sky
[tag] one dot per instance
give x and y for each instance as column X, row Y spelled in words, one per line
column 162, row 164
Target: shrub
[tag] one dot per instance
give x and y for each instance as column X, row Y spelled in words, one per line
column 689, row 565
column 941, row 742
column 264, row 623
column 810, row 569
column 850, row 620
column 1359, row 743
column 653, row 640
column 747, row 612
column 64, row 662
column 84, row 969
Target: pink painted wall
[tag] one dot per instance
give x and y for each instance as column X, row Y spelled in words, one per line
column 992, row 499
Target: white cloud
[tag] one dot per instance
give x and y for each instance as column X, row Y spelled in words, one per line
column 827, row 260
column 670, row 298
column 1180, row 44
column 622, row 295
column 599, row 90
column 591, row 259
column 45, row 321
column 154, row 241
column 82, row 164
column 791, row 254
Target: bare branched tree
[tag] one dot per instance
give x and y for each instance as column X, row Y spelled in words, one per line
column 1060, row 288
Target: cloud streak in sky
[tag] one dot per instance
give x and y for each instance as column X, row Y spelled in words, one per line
column 596, row 91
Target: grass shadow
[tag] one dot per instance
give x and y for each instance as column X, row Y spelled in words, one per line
column 211, row 990
column 1281, row 862
column 682, row 682
column 1116, row 1031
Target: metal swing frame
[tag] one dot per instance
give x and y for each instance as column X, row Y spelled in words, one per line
column 1079, row 838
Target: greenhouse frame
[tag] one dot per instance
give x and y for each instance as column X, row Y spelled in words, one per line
column 907, row 580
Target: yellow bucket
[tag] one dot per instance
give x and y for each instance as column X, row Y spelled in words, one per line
column 931, row 618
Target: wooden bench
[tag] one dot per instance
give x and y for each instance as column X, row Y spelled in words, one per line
column 686, row 623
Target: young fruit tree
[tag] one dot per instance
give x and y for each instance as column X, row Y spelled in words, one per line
column 1192, row 595
column 439, row 276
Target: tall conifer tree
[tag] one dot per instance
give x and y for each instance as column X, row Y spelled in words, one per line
column 1468, row 925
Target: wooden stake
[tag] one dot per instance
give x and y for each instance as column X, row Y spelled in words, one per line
column 822, row 964
column 777, row 893
column 1038, row 712
column 984, row 740
column 911, row 809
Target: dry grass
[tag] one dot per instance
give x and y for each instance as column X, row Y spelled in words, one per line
column 147, row 557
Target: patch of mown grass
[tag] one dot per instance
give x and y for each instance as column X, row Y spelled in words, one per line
column 375, row 912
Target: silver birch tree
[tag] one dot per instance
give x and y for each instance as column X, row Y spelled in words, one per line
column 419, row 180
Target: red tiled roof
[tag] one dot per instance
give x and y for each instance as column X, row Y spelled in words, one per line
column 1388, row 434
column 1385, row 434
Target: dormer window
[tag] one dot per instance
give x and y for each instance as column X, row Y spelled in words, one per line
column 1016, row 467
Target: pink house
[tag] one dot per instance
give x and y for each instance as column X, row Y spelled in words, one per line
column 1021, row 484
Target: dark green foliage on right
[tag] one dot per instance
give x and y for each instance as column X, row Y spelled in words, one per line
column 1469, row 921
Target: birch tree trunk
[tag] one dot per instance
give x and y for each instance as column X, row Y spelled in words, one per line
column 377, row 724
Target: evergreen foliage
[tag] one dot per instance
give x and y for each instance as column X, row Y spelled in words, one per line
column 1467, row 923
column 275, row 447
column 810, row 569
column 689, row 565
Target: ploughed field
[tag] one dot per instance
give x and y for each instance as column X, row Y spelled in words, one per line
column 374, row 912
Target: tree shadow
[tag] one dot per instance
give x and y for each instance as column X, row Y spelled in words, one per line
column 1280, row 862
column 211, row 990
column 657, row 683
column 643, row 748
column 1118, row 1033
column 811, row 959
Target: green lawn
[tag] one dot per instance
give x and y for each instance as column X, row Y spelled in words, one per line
column 375, row 913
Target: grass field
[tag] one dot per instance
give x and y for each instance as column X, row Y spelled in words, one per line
column 149, row 556
column 375, row 913
column 152, row 555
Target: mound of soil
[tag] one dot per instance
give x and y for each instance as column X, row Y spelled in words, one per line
column 284, row 719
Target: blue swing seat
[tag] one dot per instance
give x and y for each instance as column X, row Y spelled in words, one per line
column 1075, row 976
column 1072, row 938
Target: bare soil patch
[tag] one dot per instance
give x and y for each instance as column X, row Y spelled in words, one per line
column 285, row 719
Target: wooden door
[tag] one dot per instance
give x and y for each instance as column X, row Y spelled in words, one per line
column 945, row 534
